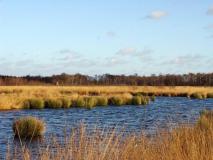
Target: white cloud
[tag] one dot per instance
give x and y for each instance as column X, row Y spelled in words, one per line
column 115, row 60
column 71, row 59
column 193, row 63
column 68, row 55
column 125, row 55
column 210, row 11
column 156, row 15
column 133, row 52
column 127, row 51
column 186, row 60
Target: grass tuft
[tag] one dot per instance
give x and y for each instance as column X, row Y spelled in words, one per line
column 53, row 103
column 136, row 100
column 116, row 101
column 28, row 127
column 196, row 96
column 80, row 102
column 102, row 101
column 66, row 103
column 206, row 120
column 90, row 102
column 35, row 103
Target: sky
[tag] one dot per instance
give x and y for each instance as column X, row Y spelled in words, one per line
column 46, row 37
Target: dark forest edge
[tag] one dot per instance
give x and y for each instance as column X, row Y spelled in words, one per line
column 190, row 79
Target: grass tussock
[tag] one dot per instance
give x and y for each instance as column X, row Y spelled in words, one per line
column 102, row 101
column 136, row 100
column 116, row 101
column 90, row 102
column 53, row 103
column 35, row 103
column 66, row 103
column 28, row 127
column 183, row 143
column 198, row 96
column 80, row 102
column 205, row 121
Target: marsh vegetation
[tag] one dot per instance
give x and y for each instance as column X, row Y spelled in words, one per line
column 183, row 142
column 28, row 127
column 36, row 97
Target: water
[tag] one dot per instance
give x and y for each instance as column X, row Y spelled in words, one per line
column 165, row 112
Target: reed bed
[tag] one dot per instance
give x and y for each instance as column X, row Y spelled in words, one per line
column 182, row 143
column 13, row 97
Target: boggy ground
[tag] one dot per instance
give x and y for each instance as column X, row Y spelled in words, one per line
column 15, row 97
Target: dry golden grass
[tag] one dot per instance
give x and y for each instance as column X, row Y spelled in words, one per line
column 12, row 97
column 183, row 143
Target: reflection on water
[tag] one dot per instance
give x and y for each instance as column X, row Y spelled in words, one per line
column 163, row 113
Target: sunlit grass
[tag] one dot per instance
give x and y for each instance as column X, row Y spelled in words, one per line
column 14, row 97
column 28, row 127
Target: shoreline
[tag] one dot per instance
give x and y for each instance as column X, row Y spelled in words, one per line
column 20, row 97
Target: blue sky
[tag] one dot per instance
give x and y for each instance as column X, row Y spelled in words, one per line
column 45, row 37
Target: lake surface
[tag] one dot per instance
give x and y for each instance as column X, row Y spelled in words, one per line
column 165, row 112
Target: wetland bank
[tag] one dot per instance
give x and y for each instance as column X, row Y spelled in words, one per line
column 23, row 97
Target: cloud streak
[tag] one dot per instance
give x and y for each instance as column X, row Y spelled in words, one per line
column 185, row 60
column 134, row 53
column 125, row 60
column 157, row 15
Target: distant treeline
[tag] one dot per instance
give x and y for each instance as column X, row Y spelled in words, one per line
column 199, row 79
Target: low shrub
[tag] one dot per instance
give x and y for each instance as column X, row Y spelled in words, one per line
column 102, row 101
column 35, row 103
column 28, row 127
column 53, row 103
column 136, row 100
column 66, row 103
column 117, row 101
